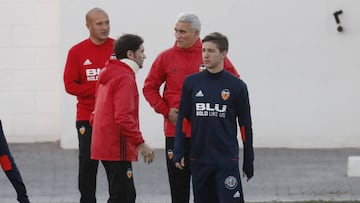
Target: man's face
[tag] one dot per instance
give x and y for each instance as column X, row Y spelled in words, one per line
column 139, row 56
column 99, row 27
column 185, row 36
column 211, row 55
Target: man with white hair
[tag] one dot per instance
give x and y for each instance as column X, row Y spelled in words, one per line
column 170, row 68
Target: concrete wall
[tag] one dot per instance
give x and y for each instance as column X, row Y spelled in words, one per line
column 301, row 72
column 29, row 68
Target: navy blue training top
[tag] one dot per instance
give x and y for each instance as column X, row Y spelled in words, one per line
column 213, row 103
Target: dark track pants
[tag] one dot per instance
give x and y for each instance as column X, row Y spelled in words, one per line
column 87, row 167
column 121, row 182
column 179, row 179
column 12, row 172
column 216, row 184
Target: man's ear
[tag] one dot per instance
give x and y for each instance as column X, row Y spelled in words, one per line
column 224, row 53
column 130, row 54
column 197, row 32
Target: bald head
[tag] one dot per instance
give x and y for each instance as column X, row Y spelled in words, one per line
column 98, row 24
column 93, row 12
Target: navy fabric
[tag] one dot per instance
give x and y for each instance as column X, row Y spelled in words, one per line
column 216, row 104
column 213, row 103
column 216, row 184
column 13, row 175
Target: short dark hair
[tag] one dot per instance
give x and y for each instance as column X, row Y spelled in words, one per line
column 219, row 39
column 125, row 43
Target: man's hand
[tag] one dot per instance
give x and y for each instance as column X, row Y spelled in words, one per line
column 173, row 115
column 248, row 170
column 147, row 152
column 181, row 164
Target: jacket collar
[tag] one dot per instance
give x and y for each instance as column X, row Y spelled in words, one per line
column 194, row 47
column 132, row 64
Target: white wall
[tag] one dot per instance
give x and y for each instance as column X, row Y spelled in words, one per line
column 301, row 72
column 29, row 66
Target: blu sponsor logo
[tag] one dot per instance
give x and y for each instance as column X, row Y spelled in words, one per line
column 209, row 110
column 92, row 74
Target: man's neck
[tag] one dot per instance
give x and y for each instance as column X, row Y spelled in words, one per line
column 97, row 41
column 216, row 69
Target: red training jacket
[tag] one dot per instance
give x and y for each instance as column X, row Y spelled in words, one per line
column 116, row 133
column 83, row 65
column 171, row 67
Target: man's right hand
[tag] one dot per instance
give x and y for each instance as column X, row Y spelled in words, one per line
column 248, row 169
column 173, row 115
column 147, row 152
column 181, row 164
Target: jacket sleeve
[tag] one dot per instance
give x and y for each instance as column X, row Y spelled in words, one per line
column 72, row 78
column 230, row 67
column 151, row 90
column 126, row 109
column 244, row 119
column 183, row 122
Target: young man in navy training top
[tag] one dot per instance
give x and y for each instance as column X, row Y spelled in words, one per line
column 170, row 68
column 9, row 167
column 212, row 101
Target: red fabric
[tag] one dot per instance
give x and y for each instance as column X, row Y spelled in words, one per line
column 91, row 119
column 116, row 133
column 186, row 127
column 172, row 66
column 243, row 133
column 5, row 163
column 82, row 68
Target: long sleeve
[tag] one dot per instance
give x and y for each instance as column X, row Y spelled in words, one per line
column 151, row 90
column 183, row 122
column 244, row 119
column 72, row 78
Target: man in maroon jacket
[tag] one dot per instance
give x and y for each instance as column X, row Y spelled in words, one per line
column 171, row 67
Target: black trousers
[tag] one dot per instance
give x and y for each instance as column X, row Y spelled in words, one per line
column 216, row 183
column 8, row 165
column 121, row 182
column 87, row 167
column 179, row 179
